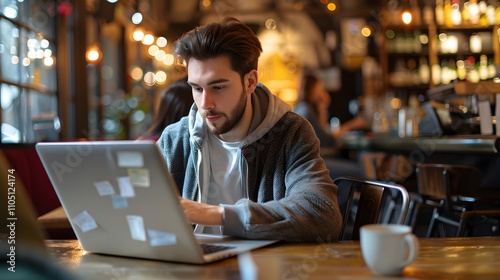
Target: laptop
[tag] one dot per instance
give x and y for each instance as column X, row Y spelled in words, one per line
column 121, row 200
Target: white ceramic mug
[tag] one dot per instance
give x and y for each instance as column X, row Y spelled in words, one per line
column 388, row 248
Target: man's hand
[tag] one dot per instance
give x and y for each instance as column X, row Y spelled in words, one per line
column 201, row 213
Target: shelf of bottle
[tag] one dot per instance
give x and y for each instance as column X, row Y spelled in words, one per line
column 409, row 79
column 407, row 28
column 425, row 27
column 466, row 54
column 409, row 87
column 397, row 55
column 465, row 27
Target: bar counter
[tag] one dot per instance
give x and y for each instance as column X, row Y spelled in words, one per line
column 439, row 258
column 472, row 144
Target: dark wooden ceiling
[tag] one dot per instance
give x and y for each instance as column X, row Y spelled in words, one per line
column 174, row 17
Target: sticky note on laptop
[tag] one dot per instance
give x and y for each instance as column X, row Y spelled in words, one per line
column 85, row 221
column 139, row 177
column 136, row 227
column 125, row 186
column 130, row 159
column 104, row 188
column 161, row 238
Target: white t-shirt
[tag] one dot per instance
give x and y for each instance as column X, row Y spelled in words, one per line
column 225, row 175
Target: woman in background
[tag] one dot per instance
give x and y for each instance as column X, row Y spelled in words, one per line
column 312, row 103
column 175, row 103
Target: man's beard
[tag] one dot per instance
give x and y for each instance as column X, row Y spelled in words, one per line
column 232, row 120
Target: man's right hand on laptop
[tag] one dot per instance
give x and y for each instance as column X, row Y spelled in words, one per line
column 201, row 213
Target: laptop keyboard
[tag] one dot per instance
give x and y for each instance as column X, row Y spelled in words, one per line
column 212, row 248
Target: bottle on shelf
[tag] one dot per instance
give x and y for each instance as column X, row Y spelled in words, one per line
column 452, row 66
column 483, row 20
column 461, row 70
column 448, row 43
column 473, row 12
column 436, row 74
column 465, row 13
column 492, row 69
column 410, row 43
column 475, row 43
column 424, row 70
column 490, row 14
column 456, row 15
column 472, row 73
column 447, row 13
column 483, row 67
column 439, row 12
column 413, row 75
column 427, row 13
column 417, row 44
column 399, row 43
column 445, row 72
column 452, row 43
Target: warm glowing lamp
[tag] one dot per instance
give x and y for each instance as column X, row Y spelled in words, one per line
column 138, row 34
column 406, row 17
column 93, row 54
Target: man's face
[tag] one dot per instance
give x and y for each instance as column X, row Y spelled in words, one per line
column 218, row 93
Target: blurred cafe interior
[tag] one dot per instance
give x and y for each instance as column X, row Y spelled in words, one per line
column 423, row 73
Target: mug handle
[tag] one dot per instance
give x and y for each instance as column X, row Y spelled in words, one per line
column 414, row 246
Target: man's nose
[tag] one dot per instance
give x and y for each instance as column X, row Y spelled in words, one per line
column 207, row 100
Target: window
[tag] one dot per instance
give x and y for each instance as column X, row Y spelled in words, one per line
column 28, row 74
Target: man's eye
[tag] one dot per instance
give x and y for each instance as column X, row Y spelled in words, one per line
column 218, row 88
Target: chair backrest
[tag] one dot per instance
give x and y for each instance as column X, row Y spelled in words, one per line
column 444, row 181
column 24, row 159
column 369, row 202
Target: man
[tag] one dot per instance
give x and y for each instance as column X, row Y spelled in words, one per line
column 245, row 164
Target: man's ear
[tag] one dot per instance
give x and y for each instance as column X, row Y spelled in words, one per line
column 251, row 80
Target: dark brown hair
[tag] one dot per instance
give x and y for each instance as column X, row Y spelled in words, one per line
column 230, row 38
column 175, row 102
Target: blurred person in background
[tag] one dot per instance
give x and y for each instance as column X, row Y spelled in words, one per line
column 312, row 103
column 175, row 103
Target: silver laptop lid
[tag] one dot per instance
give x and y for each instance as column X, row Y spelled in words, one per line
column 120, row 199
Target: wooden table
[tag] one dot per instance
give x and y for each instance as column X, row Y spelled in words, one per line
column 440, row 258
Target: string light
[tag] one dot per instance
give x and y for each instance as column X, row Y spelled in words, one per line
column 136, row 18
column 93, row 54
column 138, row 34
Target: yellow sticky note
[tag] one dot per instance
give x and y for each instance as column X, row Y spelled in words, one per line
column 139, row 177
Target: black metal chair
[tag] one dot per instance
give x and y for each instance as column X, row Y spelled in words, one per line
column 453, row 191
column 369, row 202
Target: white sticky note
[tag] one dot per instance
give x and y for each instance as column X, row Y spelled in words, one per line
column 119, row 201
column 485, row 121
column 130, row 159
column 125, row 186
column 104, row 188
column 85, row 221
column 161, row 238
column 139, row 177
column 136, row 226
